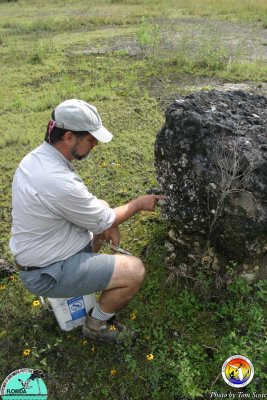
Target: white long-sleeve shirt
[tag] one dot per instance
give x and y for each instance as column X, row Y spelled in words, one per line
column 53, row 213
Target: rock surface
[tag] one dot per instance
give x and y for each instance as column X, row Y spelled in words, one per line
column 211, row 162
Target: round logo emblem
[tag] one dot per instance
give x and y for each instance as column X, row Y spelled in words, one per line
column 237, row 371
column 24, row 384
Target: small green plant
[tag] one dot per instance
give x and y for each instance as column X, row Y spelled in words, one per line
column 212, row 54
column 35, row 59
column 121, row 53
column 147, row 35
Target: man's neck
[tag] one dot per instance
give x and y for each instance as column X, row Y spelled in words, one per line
column 61, row 147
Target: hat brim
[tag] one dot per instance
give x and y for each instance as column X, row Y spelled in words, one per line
column 102, row 134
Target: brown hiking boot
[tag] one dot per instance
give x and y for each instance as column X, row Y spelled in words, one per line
column 109, row 331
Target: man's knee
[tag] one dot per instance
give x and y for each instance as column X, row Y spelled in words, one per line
column 138, row 269
column 128, row 271
column 135, row 271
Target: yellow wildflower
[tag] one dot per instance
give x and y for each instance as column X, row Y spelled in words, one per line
column 84, row 342
column 133, row 315
column 205, row 258
column 114, row 372
column 12, row 278
column 36, row 303
column 150, row 357
column 27, row 352
column 93, row 349
column 2, row 287
column 112, row 328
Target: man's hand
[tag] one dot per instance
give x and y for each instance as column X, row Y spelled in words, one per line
column 148, row 202
column 98, row 240
column 113, row 235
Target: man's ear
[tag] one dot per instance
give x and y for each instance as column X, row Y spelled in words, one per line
column 68, row 138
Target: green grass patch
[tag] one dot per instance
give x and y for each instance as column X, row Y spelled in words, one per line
column 185, row 336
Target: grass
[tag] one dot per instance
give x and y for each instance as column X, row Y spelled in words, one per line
column 123, row 56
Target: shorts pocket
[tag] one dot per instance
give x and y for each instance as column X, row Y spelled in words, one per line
column 37, row 283
column 54, row 271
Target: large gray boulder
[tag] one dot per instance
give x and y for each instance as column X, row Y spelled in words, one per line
column 211, row 162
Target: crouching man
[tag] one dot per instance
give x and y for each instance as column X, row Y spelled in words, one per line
column 58, row 225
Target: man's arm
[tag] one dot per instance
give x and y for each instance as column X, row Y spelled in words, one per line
column 142, row 203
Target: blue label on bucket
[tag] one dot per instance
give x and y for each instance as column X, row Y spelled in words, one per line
column 77, row 307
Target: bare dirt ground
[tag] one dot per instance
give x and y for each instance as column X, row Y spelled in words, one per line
column 245, row 41
column 248, row 39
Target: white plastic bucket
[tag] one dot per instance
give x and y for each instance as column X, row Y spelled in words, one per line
column 71, row 312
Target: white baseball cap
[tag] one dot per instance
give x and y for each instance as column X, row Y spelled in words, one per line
column 77, row 115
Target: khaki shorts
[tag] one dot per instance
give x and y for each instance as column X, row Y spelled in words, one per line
column 81, row 274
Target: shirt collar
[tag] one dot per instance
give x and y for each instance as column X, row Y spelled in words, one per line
column 51, row 149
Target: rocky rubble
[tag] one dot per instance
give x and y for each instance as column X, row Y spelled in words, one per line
column 6, row 269
column 211, row 163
